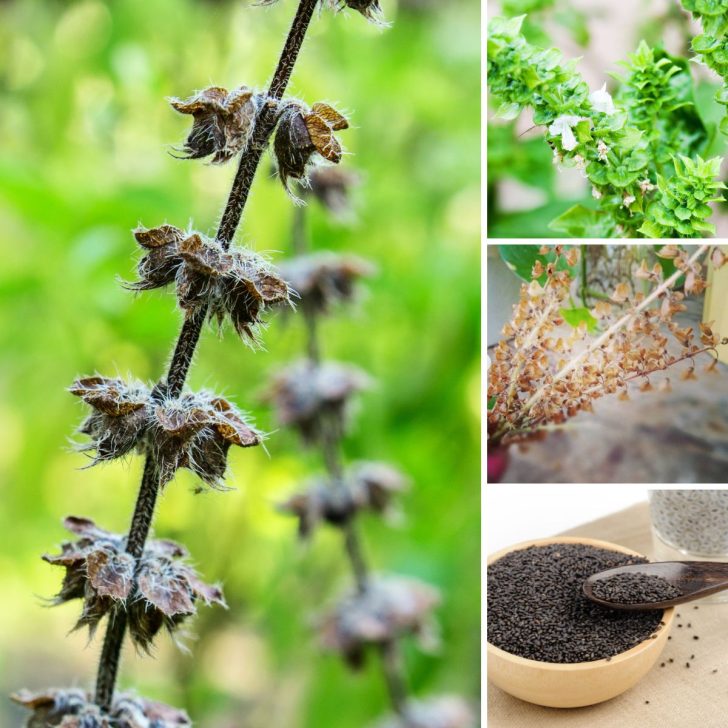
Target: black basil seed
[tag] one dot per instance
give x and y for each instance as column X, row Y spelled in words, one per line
column 536, row 608
column 635, row 589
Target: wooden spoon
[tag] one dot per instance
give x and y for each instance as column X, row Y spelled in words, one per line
column 694, row 579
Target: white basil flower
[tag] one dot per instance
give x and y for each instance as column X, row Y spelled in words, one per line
column 601, row 100
column 562, row 125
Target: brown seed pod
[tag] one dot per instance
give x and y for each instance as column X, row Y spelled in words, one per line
column 301, row 133
column 331, row 187
column 305, row 393
column 237, row 284
column 388, row 608
column 366, row 486
column 120, row 416
column 195, row 431
column 223, row 122
column 322, row 279
column 101, row 572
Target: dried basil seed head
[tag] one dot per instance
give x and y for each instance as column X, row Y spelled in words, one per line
column 195, row 431
column 119, row 418
column 366, row 486
column 440, row 711
column 331, row 187
column 101, row 572
column 223, row 122
column 159, row 265
column 306, row 393
column 303, row 132
column 74, row 708
column 390, row 607
column 322, row 279
column 370, row 9
column 238, row 284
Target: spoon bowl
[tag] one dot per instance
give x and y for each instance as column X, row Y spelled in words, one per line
column 694, row 579
column 575, row 684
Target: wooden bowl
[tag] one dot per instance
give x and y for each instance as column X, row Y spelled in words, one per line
column 574, row 685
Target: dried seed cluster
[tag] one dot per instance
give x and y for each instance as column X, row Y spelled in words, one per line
column 306, row 392
column 331, row 186
column 222, row 122
column 193, row 431
column 545, row 372
column 323, row 279
column 366, row 486
column 74, row 708
column 635, row 588
column 303, row 132
column 101, row 573
column 237, row 284
column 388, row 608
column 536, row 608
column 370, row 9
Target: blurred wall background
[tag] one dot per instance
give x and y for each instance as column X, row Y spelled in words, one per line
column 84, row 135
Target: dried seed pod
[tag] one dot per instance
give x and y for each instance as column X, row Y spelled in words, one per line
column 324, row 278
column 74, row 708
column 223, row 122
column 195, row 431
column 367, row 485
column 390, row 607
column 120, row 415
column 237, row 283
column 441, row 711
column 331, row 187
column 159, row 265
column 305, row 393
column 303, row 132
column 101, row 572
column 374, row 484
column 370, row 9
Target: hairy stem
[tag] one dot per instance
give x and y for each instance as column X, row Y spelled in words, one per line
column 189, row 335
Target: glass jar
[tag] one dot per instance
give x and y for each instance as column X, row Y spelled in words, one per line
column 690, row 525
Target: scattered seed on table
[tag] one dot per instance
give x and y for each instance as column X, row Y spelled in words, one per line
column 696, row 607
column 695, row 637
column 671, row 660
column 692, row 657
column 662, row 664
column 687, row 664
column 714, row 671
column 536, row 608
column 689, row 625
column 647, row 702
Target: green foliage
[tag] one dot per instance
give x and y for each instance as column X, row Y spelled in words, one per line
column 579, row 315
column 682, row 207
column 582, row 222
column 625, row 146
column 657, row 93
column 521, row 259
column 712, row 46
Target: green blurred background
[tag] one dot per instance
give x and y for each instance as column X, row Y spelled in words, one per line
column 84, row 136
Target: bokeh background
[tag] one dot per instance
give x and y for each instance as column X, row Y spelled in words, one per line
column 84, row 137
